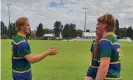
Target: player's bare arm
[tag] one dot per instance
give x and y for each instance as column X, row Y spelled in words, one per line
column 90, row 58
column 33, row 59
column 103, row 68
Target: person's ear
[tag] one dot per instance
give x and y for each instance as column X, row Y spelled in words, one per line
column 21, row 28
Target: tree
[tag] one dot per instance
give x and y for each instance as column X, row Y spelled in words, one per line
column 122, row 32
column 129, row 32
column 132, row 34
column 57, row 28
column 33, row 34
column 11, row 30
column 79, row 32
column 47, row 31
column 3, row 29
column 66, row 31
column 72, row 29
column 69, row 31
column 61, row 28
column 87, row 30
column 126, row 32
column 117, row 28
column 39, row 32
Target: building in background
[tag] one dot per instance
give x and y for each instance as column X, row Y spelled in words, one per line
column 48, row 37
column 89, row 35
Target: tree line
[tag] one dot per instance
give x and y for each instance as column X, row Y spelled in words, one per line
column 67, row 31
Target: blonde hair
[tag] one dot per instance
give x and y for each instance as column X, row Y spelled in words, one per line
column 111, row 26
column 20, row 22
column 109, row 20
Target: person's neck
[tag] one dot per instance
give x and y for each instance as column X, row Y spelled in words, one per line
column 104, row 34
column 21, row 33
column 107, row 33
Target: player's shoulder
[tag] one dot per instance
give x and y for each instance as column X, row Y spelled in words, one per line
column 110, row 38
column 18, row 39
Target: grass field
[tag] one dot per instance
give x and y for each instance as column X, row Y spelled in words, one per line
column 71, row 63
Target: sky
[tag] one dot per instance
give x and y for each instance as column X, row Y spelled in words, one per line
column 67, row 11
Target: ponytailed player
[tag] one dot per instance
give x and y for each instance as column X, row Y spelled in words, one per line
column 92, row 71
column 109, row 51
column 94, row 64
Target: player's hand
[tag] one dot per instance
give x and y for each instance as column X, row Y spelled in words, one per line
column 52, row 51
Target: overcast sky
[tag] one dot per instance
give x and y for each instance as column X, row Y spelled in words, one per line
column 67, row 11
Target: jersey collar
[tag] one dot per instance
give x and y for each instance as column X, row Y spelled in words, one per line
column 109, row 33
column 20, row 34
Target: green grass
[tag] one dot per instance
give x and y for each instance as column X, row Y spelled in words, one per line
column 71, row 63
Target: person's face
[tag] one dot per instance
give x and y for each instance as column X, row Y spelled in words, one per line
column 100, row 28
column 26, row 27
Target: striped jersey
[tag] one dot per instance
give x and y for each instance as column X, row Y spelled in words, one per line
column 109, row 47
column 20, row 48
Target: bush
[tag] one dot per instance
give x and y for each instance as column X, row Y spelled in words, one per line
column 4, row 37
